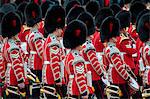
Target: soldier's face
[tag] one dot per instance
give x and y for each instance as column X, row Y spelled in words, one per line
column 59, row 32
column 126, row 7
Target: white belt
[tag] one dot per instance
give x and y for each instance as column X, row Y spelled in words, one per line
column 111, row 65
column 32, row 52
column 46, row 62
column 100, row 53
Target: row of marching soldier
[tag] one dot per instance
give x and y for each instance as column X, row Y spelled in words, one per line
column 81, row 49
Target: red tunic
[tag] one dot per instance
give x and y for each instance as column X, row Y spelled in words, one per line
column 35, row 43
column 15, row 69
column 75, row 66
column 51, row 59
column 146, row 59
column 125, row 46
column 116, row 72
column 2, row 65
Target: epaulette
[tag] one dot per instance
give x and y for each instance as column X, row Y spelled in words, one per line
column 114, row 50
column 88, row 46
column 12, row 45
column 77, row 58
column 54, row 41
column 37, row 35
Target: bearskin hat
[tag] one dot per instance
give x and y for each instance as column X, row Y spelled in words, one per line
column 109, row 28
column 33, row 14
column 143, row 27
column 21, row 8
column 18, row 2
column 127, row 1
column 116, row 8
column 1, row 15
column 102, row 14
column 75, row 34
column 11, row 24
column 6, row 8
column 87, row 18
column 140, row 14
column 55, row 18
column 124, row 18
column 93, row 7
column 71, row 4
column 38, row 2
column 135, row 9
column 45, row 5
column 74, row 13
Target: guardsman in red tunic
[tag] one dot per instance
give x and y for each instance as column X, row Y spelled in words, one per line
column 74, row 37
column 90, row 57
column 117, row 73
column 51, row 72
column 101, row 15
column 124, row 43
column 127, row 48
column 35, row 43
column 15, row 76
column 2, row 67
column 135, row 8
column 144, row 31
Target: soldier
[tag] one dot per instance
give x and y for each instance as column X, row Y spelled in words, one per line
column 15, row 77
column 135, row 8
column 51, row 73
column 125, row 45
column 2, row 66
column 74, row 37
column 99, row 46
column 35, row 42
column 117, row 74
column 89, row 55
column 143, row 31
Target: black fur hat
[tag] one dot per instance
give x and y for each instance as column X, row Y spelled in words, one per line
column 124, row 18
column 87, row 18
column 74, row 13
column 143, row 27
column 21, row 8
column 6, row 8
column 140, row 15
column 33, row 14
column 127, row 1
column 102, row 14
column 55, row 18
column 38, row 2
column 75, row 34
column 11, row 24
column 109, row 28
column 44, row 7
column 71, row 4
column 116, row 8
column 135, row 9
column 93, row 7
